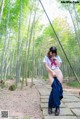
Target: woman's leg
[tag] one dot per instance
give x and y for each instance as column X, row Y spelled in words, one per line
column 51, row 79
column 59, row 75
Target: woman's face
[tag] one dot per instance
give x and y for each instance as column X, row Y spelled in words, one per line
column 52, row 54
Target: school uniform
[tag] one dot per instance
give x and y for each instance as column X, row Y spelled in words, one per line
column 56, row 93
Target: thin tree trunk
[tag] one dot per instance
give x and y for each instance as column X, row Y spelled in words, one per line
column 1, row 10
column 18, row 52
column 24, row 73
column 7, row 55
column 77, row 23
column 74, row 27
column 77, row 16
column 5, row 41
column 31, row 33
column 32, row 62
column 33, row 59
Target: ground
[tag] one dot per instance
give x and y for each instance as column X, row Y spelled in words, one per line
column 70, row 104
column 24, row 104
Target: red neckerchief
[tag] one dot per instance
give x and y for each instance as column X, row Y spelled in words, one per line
column 52, row 62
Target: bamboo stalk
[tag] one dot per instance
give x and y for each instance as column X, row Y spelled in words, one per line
column 25, row 68
column 74, row 27
column 5, row 42
column 1, row 11
column 31, row 33
column 19, row 43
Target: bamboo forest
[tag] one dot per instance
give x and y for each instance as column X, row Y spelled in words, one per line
column 28, row 28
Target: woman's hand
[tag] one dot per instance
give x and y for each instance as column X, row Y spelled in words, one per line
column 53, row 74
column 50, row 70
column 57, row 62
column 54, row 58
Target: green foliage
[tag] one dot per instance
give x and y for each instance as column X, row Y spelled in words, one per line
column 12, row 87
column 17, row 37
column 26, row 117
column 74, row 84
column 2, row 84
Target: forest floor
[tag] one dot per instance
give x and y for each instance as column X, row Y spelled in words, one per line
column 21, row 104
column 73, row 90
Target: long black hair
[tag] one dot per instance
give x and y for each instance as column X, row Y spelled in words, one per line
column 52, row 49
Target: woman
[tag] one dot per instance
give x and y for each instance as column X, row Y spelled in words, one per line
column 52, row 63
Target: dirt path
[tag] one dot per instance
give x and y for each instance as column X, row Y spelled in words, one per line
column 23, row 104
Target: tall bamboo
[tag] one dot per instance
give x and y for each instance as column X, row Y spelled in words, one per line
column 77, row 38
column 77, row 21
column 30, row 37
column 19, row 43
column 27, row 42
column 1, row 10
column 5, row 41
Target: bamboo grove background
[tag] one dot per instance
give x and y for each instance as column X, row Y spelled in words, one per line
column 24, row 40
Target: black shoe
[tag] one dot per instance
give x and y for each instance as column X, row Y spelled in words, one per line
column 49, row 110
column 57, row 111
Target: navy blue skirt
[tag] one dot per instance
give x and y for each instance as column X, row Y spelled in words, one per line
column 56, row 94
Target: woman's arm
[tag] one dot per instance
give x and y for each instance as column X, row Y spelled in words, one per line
column 50, row 70
column 58, row 63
